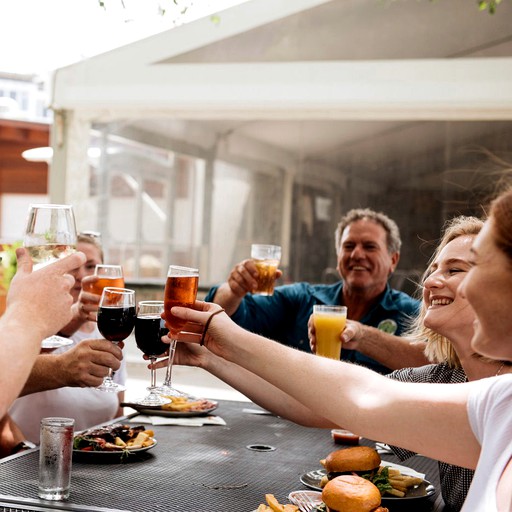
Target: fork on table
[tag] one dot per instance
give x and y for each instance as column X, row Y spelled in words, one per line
column 304, row 502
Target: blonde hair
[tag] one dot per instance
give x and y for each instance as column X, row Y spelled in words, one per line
column 91, row 238
column 439, row 348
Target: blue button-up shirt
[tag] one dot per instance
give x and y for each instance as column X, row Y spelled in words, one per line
column 284, row 315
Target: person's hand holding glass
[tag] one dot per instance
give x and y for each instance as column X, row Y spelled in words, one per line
column 149, row 329
column 180, row 290
column 50, row 234
column 116, row 319
column 329, row 322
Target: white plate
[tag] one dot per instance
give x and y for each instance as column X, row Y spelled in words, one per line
column 56, row 342
column 158, row 411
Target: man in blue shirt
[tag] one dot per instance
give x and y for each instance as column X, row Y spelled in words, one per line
column 368, row 250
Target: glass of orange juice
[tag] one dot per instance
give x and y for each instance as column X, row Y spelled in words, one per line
column 329, row 324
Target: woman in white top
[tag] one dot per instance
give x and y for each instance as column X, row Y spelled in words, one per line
column 468, row 424
column 87, row 357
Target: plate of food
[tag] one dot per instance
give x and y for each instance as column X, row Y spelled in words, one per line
column 178, row 407
column 393, row 481
column 116, row 441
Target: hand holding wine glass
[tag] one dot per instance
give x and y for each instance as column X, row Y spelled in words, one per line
column 180, row 290
column 116, row 319
column 149, row 329
column 50, row 234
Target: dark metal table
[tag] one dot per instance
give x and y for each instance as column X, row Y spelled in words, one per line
column 195, row 469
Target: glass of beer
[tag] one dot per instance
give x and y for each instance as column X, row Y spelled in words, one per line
column 180, row 290
column 50, row 233
column 108, row 275
column 329, row 324
column 266, row 258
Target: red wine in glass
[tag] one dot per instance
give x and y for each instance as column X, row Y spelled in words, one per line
column 148, row 335
column 149, row 329
column 116, row 323
column 116, row 319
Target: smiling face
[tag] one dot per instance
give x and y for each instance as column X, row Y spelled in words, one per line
column 447, row 312
column 363, row 259
column 488, row 288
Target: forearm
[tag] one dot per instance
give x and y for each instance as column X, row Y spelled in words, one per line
column 225, row 298
column 265, row 394
column 44, row 375
column 20, row 347
column 424, row 418
column 395, row 352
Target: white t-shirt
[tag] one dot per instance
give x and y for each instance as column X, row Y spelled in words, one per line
column 490, row 416
column 88, row 406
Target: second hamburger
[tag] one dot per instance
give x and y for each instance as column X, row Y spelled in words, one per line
column 360, row 460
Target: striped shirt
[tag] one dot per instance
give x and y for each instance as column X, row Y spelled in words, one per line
column 455, row 480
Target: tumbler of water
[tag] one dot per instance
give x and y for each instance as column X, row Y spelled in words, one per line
column 56, row 448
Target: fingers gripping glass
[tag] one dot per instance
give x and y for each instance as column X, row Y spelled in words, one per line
column 116, row 319
column 50, row 234
column 149, row 329
column 180, row 290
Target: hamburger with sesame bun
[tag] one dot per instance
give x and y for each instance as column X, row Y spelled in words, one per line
column 359, row 460
column 351, row 493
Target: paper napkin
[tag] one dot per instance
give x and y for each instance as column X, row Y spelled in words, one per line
column 194, row 421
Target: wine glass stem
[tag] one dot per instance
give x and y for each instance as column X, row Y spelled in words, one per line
column 108, row 378
column 168, row 374
column 153, row 373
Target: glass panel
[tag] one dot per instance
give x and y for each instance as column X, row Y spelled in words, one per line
column 187, row 193
column 246, row 209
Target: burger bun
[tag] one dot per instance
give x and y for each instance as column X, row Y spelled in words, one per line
column 351, row 493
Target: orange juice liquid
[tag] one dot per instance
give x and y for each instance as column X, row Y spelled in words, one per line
column 328, row 327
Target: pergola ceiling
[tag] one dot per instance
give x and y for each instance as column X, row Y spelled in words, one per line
column 323, row 81
column 348, row 30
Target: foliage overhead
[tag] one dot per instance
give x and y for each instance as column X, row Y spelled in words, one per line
column 184, row 5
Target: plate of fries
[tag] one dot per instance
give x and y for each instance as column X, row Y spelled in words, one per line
column 115, row 442
column 401, row 486
column 179, row 406
column 272, row 505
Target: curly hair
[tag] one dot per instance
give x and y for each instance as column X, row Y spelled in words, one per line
column 393, row 240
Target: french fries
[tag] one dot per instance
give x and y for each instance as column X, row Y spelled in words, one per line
column 183, row 404
column 274, row 506
column 400, row 483
column 142, row 440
